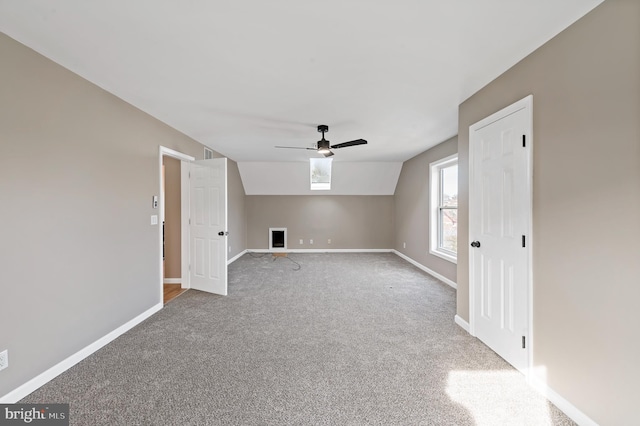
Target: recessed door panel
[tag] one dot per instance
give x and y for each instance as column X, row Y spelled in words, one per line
column 214, row 207
column 486, row 288
column 199, row 256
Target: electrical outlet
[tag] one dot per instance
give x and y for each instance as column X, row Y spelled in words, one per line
column 329, row 241
column 4, row 359
column 301, row 241
column 310, row 241
column 404, row 245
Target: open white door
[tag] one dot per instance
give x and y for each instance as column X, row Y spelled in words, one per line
column 499, row 231
column 208, row 226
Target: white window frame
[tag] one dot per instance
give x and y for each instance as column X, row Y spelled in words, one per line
column 320, row 186
column 435, row 189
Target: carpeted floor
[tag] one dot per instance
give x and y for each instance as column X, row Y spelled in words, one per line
column 348, row 339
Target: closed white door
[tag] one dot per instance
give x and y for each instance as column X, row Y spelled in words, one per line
column 499, row 227
column 208, row 226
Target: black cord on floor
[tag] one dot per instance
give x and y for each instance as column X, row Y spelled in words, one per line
column 288, row 258
column 256, row 256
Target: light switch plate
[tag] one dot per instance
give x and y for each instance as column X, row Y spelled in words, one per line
column 154, row 219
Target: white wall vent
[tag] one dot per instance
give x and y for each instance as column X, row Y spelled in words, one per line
column 208, row 153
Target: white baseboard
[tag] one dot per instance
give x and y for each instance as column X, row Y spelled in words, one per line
column 43, row 378
column 236, row 257
column 462, row 323
column 172, row 280
column 320, row 250
column 427, row 270
column 568, row 408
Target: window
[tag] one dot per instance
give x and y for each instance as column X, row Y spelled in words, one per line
column 444, row 208
column 320, row 169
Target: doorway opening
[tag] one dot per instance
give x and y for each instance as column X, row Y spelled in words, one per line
column 174, row 202
column 171, row 195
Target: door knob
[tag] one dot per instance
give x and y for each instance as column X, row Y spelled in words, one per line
column 221, row 233
column 475, row 244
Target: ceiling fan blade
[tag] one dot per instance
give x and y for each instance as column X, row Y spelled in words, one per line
column 328, row 154
column 295, row 147
column 350, row 143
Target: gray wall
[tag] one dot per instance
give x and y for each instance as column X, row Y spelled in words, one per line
column 586, row 199
column 78, row 168
column 411, row 207
column 236, row 220
column 351, row 222
column 172, row 221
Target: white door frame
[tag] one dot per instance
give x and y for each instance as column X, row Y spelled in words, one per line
column 525, row 103
column 184, row 195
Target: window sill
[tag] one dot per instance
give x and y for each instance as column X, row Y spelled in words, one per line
column 445, row 256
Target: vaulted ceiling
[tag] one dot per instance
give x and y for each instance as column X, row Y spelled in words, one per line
column 244, row 76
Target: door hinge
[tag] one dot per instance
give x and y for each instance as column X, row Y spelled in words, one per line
column 524, row 344
column 524, row 141
column 524, row 243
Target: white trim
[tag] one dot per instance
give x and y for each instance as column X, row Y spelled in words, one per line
column 225, row 266
column 185, row 214
column 565, row 406
column 443, row 255
column 45, row 377
column 427, row 270
column 434, row 201
column 277, row 249
column 236, row 257
column 525, row 103
column 321, row 251
column 528, row 101
column 462, row 323
column 172, row 281
column 175, row 154
column 315, row 163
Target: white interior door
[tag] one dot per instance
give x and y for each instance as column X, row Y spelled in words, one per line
column 499, row 227
column 208, row 227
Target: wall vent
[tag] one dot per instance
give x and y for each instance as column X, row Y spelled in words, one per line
column 277, row 239
column 208, row 153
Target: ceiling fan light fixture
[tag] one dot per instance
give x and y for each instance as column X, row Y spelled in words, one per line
column 324, row 147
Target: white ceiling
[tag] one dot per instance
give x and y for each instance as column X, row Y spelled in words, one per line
column 243, row 76
column 293, row 178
